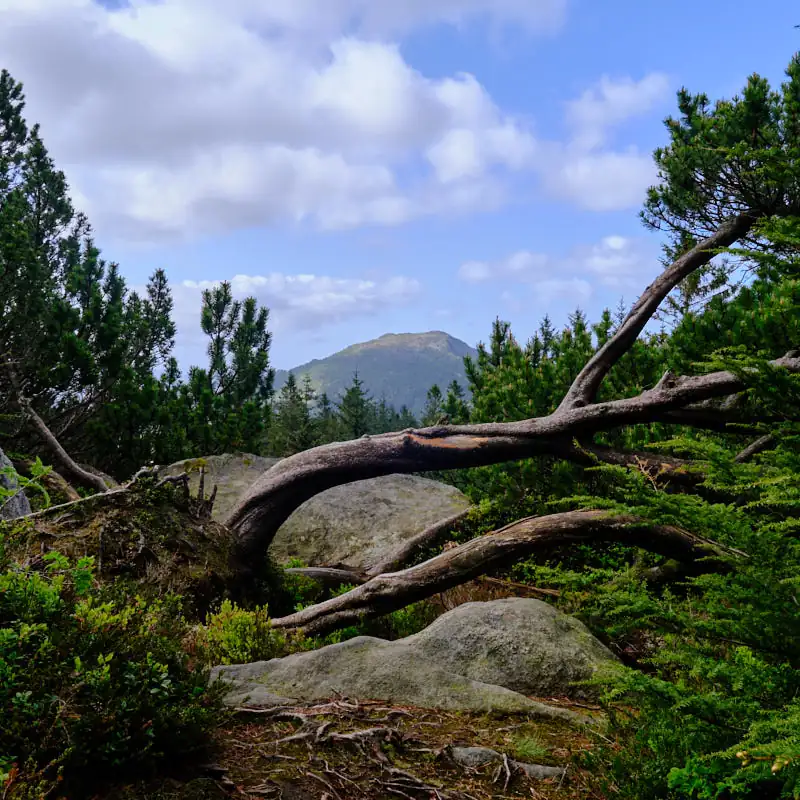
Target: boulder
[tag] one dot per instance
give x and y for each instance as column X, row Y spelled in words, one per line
column 17, row 505
column 361, row 523
column 523, row 644
column 367, row 668
column 233, row 474
column 356, row 524
column 480, row 657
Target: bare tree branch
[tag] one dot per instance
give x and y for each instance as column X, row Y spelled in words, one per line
column 430, row 537
column 584, row 387
column 388, row 592
column 279, row 491
column 61, row 458
column 329, row 576
column 766, row 442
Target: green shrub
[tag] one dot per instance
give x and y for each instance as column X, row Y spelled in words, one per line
column 235, row 635
column 90, row 686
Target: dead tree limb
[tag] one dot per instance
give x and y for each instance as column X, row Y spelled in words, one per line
column 584, row 387
column 431, row 536
column 62, row 460
column 760, row 445
column 279, row 491
column 391, row 591
column 329, row 576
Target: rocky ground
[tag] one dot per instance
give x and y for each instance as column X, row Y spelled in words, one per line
column 368, row 750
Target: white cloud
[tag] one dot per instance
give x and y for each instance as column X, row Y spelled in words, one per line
column 530, row 268
column 615, row 262
column 178, row 117
column 601, row 180
column 522, row 266
column 611, row 102
column 583, row 170
column 303, row 302
column 619, row 262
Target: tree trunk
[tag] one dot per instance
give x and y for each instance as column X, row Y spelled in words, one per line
column 71, row 471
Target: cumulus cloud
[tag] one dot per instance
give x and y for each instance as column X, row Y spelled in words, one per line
column 535, row 269
column 179, row 117
column 611, row 102
column 600, row 180
column 298, row 303
column 615, row 262
column 619, row 262
column 183, row 117
column 584, row 170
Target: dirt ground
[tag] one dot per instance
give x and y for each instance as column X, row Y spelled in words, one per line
column 343, row 750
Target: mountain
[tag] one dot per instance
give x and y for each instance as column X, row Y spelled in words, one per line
column 399, row 366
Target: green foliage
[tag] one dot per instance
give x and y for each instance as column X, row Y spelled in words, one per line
column 235, row 635
column 30, row 486
column 354, row 409
column 90, row 687
column 529, row 749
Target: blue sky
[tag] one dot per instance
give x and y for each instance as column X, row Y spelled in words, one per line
column 374, row 166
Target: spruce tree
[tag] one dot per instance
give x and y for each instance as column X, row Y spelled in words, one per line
column 355, row 411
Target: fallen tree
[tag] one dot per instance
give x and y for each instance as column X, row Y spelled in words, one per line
column 707, row 401
column 262, row 510
column 391, row 591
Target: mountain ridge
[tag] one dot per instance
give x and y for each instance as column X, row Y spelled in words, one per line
column 400, row 367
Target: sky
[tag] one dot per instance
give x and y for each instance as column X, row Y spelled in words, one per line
column 364, row 167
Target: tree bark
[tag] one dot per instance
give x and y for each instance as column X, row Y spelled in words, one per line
column 391, row 591
column 763, row 443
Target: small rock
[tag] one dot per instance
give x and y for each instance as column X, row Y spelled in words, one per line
column 17, row 505
column 474, row 757
column 539, row 772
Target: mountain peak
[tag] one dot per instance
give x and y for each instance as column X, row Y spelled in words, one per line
column 398, row 366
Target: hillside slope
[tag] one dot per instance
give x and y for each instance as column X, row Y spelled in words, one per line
column 399, row 366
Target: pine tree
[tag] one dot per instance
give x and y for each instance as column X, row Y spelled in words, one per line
column 433, row 411
column 292, row 429
column 355, row 411
column 455, row 408
column 326, row 421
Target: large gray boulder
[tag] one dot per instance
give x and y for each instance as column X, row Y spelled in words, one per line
column 523, row 644
column 362, row 523
column 480, row 657
column 233, row 474
column 17, row 505
column 357, row 524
